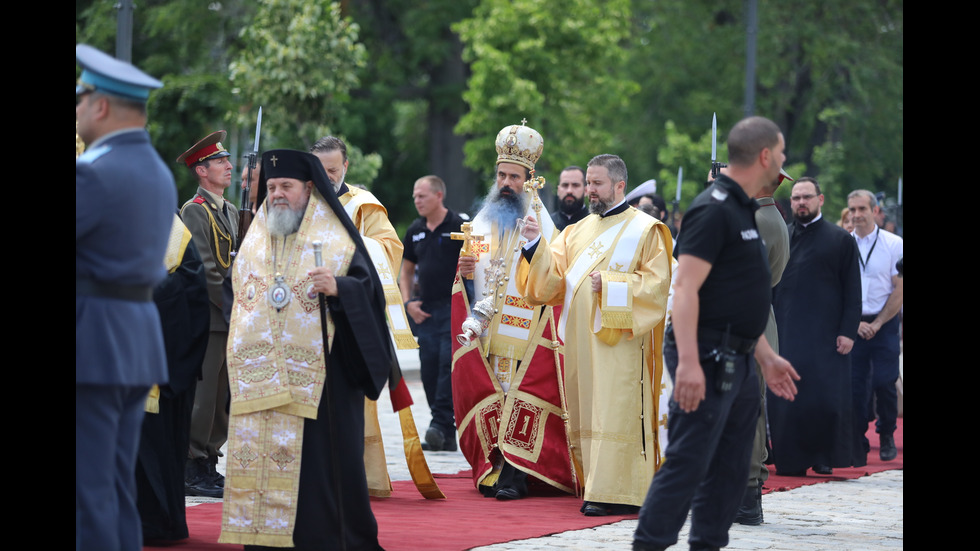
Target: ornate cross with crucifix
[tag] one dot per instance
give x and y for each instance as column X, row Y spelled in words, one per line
column 532, row 186
column 466, row 236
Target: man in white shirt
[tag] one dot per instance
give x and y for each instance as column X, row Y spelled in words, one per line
column 874, row 358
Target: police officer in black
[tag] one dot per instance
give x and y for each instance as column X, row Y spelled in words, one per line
column 721, row 304
column 430, row 248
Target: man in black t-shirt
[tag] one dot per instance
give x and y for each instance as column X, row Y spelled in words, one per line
column 431, row 251
column 720, row 308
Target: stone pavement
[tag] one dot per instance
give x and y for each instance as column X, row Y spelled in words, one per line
column 853, row 515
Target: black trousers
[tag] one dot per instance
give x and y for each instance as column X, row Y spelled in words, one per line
column 707, row 459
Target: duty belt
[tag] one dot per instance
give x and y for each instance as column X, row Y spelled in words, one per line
column 740, row 345
column 132, row 293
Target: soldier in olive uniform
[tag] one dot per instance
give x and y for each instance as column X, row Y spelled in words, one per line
column 213, row 222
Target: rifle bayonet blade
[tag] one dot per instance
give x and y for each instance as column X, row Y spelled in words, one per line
column 258, row 130
column 714, row 136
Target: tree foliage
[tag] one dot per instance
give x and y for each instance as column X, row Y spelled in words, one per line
column 829, row 73
column 300, row 65
column 410, row 98
column 187, row 44
column 411, row 82
column 558, row 63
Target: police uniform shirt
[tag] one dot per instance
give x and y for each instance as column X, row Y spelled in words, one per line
column 435, row 255
column 720, row 229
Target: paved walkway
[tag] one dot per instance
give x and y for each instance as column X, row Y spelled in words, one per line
column 852, row 515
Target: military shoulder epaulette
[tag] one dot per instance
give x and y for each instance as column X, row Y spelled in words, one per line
column 90, row 155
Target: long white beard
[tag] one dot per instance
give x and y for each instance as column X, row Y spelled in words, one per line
column 284, row 221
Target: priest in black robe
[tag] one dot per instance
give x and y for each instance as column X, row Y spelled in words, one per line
column 182, row 300
column 818, row 309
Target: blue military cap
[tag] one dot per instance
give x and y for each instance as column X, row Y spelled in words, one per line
column 104, row 73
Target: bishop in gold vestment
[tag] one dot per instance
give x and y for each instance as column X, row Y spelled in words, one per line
column 611, row 273
column 300, row 368
column 506, row 384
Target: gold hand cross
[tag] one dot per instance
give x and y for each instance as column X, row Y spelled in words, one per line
column 467, row 237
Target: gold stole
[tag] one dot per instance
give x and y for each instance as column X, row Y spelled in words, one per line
column 180, row 236
column 395, row 309
column 619, row 247
column 276, row 372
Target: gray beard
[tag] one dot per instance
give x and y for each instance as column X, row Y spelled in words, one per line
column 283, row 222
column 598, row 207
column 504, row 209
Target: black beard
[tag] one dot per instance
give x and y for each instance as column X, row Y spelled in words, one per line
column 807, row 218
column 571, row 207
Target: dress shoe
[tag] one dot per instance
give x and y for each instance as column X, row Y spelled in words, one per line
column 435, row 439
column 203, row 490
column 198, row 480
column 596, row 509
column 887, row 451
column 750, row 510
column 791, row 473
column 507, row 494
column 823, row 469
column 217, row 478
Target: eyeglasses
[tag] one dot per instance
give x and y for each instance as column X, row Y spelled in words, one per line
column 798, row 198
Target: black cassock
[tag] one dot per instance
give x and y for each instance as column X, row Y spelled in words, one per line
column 182, row 300
column 818, row 298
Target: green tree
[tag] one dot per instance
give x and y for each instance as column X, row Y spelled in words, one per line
column 410, row 99
column 559, row 64
column 299, row 63
column 830, row 74
column 187, row 44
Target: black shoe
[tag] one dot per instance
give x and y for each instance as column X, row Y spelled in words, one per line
column 887, row 452
column 508, row 494
column 823, row 469
column 216, row 478
column 198, row 480
column 750, row 511
column 791, row 473
column 590, row 509
column 596, row 509
column 202, row 490
column 448, row 448
column 433, row 440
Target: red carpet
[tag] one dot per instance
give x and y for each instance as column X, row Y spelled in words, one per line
column 778, row 483
column 465, row 519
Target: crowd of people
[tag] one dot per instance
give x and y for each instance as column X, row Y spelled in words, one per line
column 546, row 339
